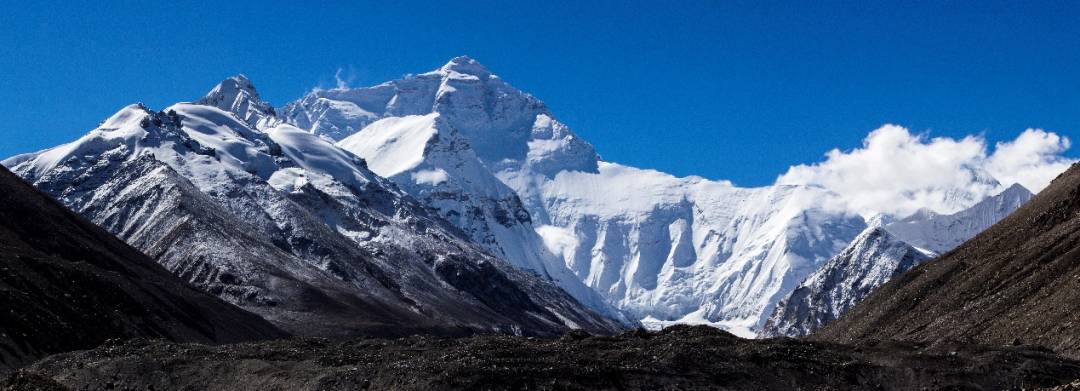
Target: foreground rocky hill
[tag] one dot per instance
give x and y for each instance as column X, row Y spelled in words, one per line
column 1017, row 282
column 680, row 357
column 66, row 284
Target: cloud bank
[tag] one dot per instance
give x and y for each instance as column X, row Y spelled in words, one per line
column 896, row 172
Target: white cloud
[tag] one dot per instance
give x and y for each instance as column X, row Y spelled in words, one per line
column 897, row 172
column 430, row 177
column 340, row 82
column 1032, row 160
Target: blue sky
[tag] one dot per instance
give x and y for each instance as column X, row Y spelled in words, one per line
column 727, row 90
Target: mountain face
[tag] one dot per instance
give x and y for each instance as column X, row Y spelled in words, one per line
column 1016, row 282
column 282, row 223
column 438, row 146
column 880, row 253
column 496, row 163
column 66, row 285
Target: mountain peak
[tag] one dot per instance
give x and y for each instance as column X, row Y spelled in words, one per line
column 231, row 88
column 465, row 65
column 237, row 94
column 1016, row 190
column 1016, row 195
column 941, row 233
column 879, row 220
column 922, row 214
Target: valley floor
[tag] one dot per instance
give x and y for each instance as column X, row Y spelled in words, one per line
column 680, row 357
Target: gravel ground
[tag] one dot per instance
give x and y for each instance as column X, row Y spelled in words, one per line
column 680, row 357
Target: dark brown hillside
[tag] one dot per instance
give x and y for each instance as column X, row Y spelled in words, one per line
column 66, row 284
column 1016, row 283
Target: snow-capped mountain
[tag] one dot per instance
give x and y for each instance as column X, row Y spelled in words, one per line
column 495, row 162
column 289, row 226
column 884, row 250
column 427, row 135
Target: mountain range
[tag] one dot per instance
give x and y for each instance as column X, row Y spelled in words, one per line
column 450, row 202
column 1042, row 233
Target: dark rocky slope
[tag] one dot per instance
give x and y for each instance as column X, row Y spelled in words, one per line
column 66, row 284
column 1017, row 282
column 681, row 357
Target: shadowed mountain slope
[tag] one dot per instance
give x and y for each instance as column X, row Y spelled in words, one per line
column 66, row 284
